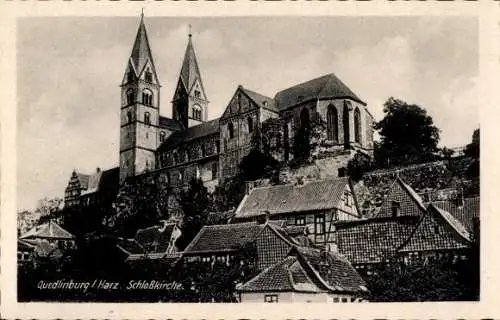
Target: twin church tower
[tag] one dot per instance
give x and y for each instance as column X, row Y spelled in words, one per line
column 142, row 129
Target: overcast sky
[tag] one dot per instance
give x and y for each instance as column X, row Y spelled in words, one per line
column 69, row 71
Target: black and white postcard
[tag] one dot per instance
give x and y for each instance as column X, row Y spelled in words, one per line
column 248, row 160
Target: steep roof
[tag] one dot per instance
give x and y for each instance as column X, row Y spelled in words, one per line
column 411, row 204
column 192, row 133
column 279, row 199
column 307, row 270
column 373, row 240
column 465, row 211
column 429, row 236
column 327, row 86
column 130, row 246
column 83, row 179
column 261, row 100
column 49, row 230
column 170, row 124
column 141, row 51
column 103, row 181
column 190, row 71
column 223, row 238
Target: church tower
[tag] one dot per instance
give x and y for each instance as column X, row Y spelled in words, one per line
column 190, row 101
column 139, row 116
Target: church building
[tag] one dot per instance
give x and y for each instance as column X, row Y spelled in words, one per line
column 190, row 145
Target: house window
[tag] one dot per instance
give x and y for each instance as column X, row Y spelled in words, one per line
column 147, row 97
column 181, row 175
column 130, row 96
column 162, row 136
column 344, row 300
column 214, row 170
column 230, row 127
column 205, row 259
column 332, row 123
column 347, row 198
column 395, row 208
column 148, row 76
column 147, row 118
column 319, row 224
column 217, row 146
column 336, row 299
column 341, row 172
column 168, row 177
column 300, row 221
column 250, row 124
column 271, row 298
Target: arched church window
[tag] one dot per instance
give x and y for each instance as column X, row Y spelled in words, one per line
column 230, row 128
column 332, row 123
column 147, row 97
column 147, row 118
column 197, row 112
column 129, row 117
column 357, row 125
column 250, row 124
column 197, row 93
column 130, row 96
column 148, row 76
column 162, row 136
column 345, row 121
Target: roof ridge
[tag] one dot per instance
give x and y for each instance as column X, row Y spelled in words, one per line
column 447, row 217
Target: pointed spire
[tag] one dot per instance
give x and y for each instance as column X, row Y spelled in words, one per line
column 141, row 52
column 190, row 71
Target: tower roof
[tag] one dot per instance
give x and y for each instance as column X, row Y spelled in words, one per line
column 141, row 51
column 190, row 70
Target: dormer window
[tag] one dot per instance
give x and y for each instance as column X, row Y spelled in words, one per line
column 395, row 208
column 148, row 76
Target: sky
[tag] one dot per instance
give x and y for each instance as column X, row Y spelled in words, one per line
column 69, row 70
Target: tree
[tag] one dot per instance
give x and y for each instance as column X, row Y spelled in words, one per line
column 447, row 153
column 472, row 149
column 140, row 203
column 358, row 165
column 408, row 134
column 195, row 203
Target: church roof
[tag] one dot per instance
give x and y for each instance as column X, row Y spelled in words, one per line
column 314, row 195
column 190, row 70
column 192, row 133
column 328, row 86
column 170, row 124
column 141, row 51
column 261, row 100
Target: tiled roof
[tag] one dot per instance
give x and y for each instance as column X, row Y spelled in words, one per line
column 167, row 258
column 314, row 195
column 464, row 211
column 42, row 247
column 410, row 201
column 437, row 230
column 223, row 238
column 261, row 100
column 83, row 179
column 202, row 130
column 307, row 270
column 103, row 181
column 373, row 240
column 170, row 124
column 49, row 230
column 328, row 86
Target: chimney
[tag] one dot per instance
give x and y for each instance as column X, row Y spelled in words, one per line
column 98, row 169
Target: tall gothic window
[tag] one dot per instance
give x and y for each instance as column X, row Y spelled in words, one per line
column 332, row 123
column 130, row 76
column 130, row 96
column 147, row 97
column 304, row 118
column 162, row 136
column 345, row 121
column 129, row 117
column 357, row 125
column 230, row 127
column 250, row 124
column 147, row 118
column 196, row 112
